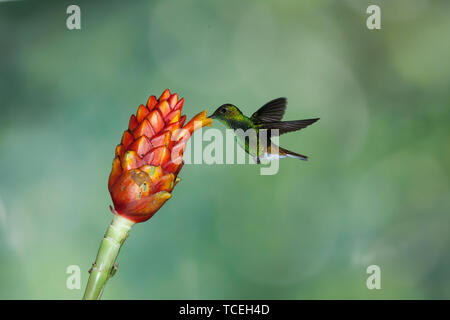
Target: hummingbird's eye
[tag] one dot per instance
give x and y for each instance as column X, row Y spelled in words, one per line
column 223, row 110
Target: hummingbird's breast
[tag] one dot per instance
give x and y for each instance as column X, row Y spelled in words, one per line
column 251, row 141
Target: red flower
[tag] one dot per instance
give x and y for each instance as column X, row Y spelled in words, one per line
column 149, row 157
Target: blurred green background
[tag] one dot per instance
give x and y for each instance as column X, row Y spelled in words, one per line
column 376, row 190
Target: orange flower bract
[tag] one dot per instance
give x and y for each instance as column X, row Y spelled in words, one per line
column 149, row 156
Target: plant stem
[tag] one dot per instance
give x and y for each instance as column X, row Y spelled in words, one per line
column 104, row 268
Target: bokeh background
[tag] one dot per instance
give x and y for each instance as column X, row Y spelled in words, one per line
column 376, row 190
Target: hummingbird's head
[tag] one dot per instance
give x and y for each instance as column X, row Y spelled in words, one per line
column 226, row 113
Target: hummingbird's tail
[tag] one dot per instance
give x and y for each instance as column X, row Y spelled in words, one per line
column 291, row 154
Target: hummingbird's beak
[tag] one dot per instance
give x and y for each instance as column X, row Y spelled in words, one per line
column 212, row 116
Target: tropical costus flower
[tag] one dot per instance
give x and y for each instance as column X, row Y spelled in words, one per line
column 144, row 172
column 149, row 157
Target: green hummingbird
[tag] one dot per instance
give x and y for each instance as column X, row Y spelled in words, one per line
column 262, row 122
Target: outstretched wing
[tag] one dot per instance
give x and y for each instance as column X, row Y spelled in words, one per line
column 289, row 126
column 271, row 111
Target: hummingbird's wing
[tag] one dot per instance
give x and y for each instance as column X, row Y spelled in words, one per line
column 271, row 111
column 289, row 126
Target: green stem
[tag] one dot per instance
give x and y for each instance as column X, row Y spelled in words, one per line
column 104, row 267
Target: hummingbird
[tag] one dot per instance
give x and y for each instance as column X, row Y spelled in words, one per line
column 268, row 117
